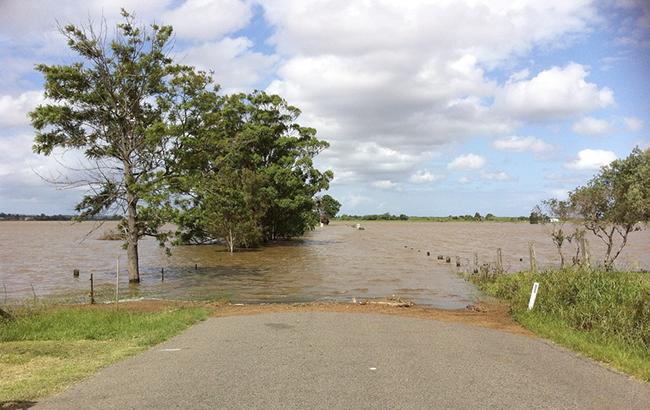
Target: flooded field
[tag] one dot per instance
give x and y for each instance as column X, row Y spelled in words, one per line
column 336, row 262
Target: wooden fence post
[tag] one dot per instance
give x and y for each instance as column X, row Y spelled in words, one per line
column 584, row 248
column 117, row 280
column 499, row 262
column 533, row 258
column 92, row 290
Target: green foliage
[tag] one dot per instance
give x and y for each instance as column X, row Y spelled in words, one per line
column 163, row 145
column 536, row 216
column 123, row 105
column 247, row 173
column 613, row 304
column 327, row 207
column 616, row 202
column 374, row 217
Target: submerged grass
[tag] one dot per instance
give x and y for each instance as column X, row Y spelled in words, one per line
column 44, row 350
column 604, row 315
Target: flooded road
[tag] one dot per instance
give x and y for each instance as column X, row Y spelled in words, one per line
column 336, row 262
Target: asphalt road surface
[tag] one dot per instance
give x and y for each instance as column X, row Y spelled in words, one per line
column 352, row 361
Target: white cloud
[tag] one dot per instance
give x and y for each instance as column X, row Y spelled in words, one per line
column 384, row 184
column 408, row 76
column 424, row 176
column 559, row 193
column 208, row 19
column 633, row 124
column 13, row 110
column 496, row 176
column 520, row 75
column 522, row 144
column 552, row 94
column 235, row 65
column 467, row 162
column 486, row 28
column 591, row 159
column 464, row 180
column 33, row 23
column 22, row 187
column 353, row 200
column 353, row 162
column 592, row 126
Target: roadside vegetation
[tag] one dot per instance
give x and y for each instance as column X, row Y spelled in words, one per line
column 45, row 349
column 602, row 314
column 586, row 305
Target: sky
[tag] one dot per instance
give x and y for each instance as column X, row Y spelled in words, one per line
column 430, row 107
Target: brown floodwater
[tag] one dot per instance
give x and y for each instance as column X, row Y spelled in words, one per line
column 336, row 262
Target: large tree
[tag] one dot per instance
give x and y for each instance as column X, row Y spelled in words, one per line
column 123, row 104
column 248, row 174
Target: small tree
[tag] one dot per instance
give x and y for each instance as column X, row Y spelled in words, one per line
column 558, row 213
column 616, row 202
column 116, row 105
column 327, row 208
column 536, row 215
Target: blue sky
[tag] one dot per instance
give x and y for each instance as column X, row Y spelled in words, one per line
column 431, row 108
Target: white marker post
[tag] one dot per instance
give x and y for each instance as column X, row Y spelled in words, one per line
column 533, row 296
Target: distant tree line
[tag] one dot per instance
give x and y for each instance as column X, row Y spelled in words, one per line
column 164, row 146
column 57, row 217
column 477, row 217
column 374, row 217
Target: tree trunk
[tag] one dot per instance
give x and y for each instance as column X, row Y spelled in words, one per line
column 231, row 241
column 132, row 234
column 609, row 263
column 132, row 240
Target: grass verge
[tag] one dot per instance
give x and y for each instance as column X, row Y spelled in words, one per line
column 603, row 315
column 44, row 350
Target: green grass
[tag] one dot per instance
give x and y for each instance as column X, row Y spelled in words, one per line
column 44, row 350
column 604, row 315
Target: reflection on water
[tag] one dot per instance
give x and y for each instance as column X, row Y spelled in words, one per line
column 333, row 263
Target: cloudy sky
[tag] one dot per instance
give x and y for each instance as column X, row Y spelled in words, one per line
column 431, row 107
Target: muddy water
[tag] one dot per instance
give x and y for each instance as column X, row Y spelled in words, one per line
column 333, row 263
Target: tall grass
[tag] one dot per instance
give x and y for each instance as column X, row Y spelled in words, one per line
column 603, row 314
